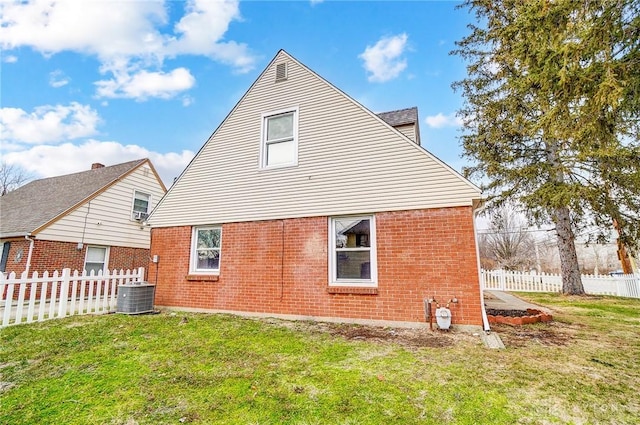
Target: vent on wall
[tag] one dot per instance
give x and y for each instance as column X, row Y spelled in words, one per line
column 281, row 71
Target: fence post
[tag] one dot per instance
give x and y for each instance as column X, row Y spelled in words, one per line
column 54, row 294
column 2, row 286
column 43, row 295
column 114, row 289
column 32, row 301
column 22, row 289
column 8, row 305
column 140, row 274
column 74, row 293
column 64, row 293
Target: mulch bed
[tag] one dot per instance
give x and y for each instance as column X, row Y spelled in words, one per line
column 517, row 317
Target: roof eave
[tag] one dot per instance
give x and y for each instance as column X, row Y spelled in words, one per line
column 14, row 235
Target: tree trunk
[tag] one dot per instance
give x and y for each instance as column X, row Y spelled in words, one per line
column 571, row 280
column 569, row 268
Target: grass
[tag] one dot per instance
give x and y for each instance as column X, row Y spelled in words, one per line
column 582, row 368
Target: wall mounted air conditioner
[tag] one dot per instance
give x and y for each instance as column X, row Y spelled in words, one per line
column 139, row 215
column 136, row 298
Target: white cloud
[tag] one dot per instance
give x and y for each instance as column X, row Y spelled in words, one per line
column 48, row 123
column 95, row 27
column 144, row 84
column 10, row 59
column 47, row 160
column 187, row 101
column 58, row 79
column 127, row 36
column 440, row 120
column 383, row 61
column 201, row 29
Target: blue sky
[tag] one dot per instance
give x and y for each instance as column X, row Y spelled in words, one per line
column 113, row 81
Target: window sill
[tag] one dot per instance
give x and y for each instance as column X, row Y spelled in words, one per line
column 278, row 167
column 202, row 278
column 352, row 290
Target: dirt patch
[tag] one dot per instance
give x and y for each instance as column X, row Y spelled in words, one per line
column 548, row 334
column 412, row 338
column 6, row 386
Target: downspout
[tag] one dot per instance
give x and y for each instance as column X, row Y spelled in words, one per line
column 485, row 321
column 31, row 241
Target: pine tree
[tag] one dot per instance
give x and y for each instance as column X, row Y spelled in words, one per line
column 551, row 114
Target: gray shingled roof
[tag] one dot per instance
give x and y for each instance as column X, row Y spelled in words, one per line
column 400, row 117
column 27, row 208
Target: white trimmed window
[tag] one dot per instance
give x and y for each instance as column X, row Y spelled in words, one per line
column 352, row 250
column 140, row 209
column 205, row 250
column 96, row 259
column 279, row 139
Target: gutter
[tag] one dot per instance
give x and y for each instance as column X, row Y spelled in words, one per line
column 14, row 235
column 31, row 242
column 481, row 207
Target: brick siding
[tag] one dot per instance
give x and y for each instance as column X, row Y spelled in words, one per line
column 52, row 255
column 281, row 267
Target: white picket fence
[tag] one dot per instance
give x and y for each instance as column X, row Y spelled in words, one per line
column 38, row 298
column 504, row 280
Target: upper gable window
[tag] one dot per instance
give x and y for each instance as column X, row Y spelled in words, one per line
column 140, row 209
column 279, row 139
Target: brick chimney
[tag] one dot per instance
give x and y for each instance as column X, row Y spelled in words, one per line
column 96, row 165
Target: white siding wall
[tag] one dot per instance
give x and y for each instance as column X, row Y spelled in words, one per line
column 408, row 130
column 348, row 162
column 108, row 216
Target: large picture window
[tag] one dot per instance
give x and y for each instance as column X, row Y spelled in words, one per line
column 205, row 250
column 279, row 139
column 352, row 250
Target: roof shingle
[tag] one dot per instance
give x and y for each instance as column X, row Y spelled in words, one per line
column 400, row 117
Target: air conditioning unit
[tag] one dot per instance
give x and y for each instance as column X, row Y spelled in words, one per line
column 140, row 216
column 136, row 298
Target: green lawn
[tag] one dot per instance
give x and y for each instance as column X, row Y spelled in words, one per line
column 583, row 368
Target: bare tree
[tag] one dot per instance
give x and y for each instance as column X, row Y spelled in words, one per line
column 506, row 243
column 11, row 178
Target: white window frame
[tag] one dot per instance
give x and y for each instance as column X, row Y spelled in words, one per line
column 193, row 256
column 264, row 142
column 133, row 203
column 105, row 265
column 373, row 279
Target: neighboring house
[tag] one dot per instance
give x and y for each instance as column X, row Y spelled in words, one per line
column 303, row 203
column 89, row 220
